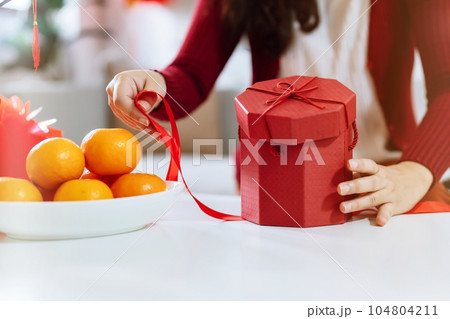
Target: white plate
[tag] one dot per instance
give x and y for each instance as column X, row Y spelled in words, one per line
column 65, row 220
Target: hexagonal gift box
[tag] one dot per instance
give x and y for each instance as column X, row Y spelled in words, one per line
column 296, row 134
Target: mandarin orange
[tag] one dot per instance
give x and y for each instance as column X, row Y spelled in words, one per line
column 53, row 162
column 18, row 190
column 83, row 189
column 112, row 151
column 137, row 184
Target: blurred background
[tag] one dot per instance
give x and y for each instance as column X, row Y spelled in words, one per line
column 84, row 43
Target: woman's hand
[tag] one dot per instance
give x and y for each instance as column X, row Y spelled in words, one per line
column 394, row 189
column 123, row 89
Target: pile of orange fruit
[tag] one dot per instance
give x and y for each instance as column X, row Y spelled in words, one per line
column 101, row 168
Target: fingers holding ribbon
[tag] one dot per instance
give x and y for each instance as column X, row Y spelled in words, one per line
column 123, row 89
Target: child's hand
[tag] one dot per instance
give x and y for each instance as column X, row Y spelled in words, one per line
column 394, row 189
column 123, row 89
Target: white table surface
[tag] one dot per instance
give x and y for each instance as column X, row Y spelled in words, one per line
column 187, row 255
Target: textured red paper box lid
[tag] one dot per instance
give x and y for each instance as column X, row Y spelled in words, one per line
column 293, row 118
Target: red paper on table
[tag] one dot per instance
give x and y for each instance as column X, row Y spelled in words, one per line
column 296, row 135
column 18, row 135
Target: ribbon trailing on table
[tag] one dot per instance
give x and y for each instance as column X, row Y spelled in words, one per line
column 285, row 90
column 173, row 145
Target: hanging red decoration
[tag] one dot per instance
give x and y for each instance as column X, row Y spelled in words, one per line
column 130, row 2
column 36, row 50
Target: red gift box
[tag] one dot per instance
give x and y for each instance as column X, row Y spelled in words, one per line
column 296, row 135
column 18, row 134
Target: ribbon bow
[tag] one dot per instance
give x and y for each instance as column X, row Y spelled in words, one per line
column 289, row 91
column 284, row 91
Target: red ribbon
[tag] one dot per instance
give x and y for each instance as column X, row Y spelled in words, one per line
column 173, row 145
column 420, row 208
column 284, row 91
column 429, row 207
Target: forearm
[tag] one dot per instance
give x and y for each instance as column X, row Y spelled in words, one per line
column 202, row 57
column 181, row 93
column 430, row 146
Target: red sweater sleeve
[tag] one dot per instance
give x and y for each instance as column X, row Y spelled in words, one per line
column 430, row 27
column 204, row 53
